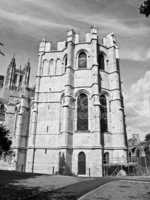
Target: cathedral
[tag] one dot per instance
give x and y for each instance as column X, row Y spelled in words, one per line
column 72, row 121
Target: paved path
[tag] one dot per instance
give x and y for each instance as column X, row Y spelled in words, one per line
column 121, row 189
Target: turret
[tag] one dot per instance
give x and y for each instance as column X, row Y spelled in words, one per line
column 10, row 73
column 45, row 46
column 27, row 74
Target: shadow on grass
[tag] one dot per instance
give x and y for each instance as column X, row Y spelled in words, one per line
column 10, row 192
column 7, row 177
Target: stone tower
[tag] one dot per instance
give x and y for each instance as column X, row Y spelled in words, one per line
column 17, row 78
column 77, row 120
column 17, row 95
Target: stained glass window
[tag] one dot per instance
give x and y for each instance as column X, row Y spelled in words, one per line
column 101, row 61
column 82, row 112
column 82, row 60
column 103, row 103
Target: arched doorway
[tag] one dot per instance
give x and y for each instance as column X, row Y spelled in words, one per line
column 81, row 163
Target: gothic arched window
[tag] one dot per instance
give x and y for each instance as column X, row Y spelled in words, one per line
column 101, row 62
column 58, row 69
column 82, row 112
column 81, row 163
column 52, row 67
column 61, row 113
column 45, row 67
column 65, row 61
column 82, row 60
column 104, row 125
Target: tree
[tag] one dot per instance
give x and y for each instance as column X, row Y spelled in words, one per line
column 145, row 8
column 147, row 137
column 5, row 142
column 1, row 52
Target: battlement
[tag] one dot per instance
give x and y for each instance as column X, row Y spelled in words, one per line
column 108, row 41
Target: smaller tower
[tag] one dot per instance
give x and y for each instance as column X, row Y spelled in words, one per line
column 10, row 77
column 26, row 74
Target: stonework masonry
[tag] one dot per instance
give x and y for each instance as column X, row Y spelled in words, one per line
column 59, row 82
column 74, row 122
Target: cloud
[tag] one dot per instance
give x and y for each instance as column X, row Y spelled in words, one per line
column 20, row 18
column 136, row 54
column 138, row 106
column 110, row 22
column 75, row 12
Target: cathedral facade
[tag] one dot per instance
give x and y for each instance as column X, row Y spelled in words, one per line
column 75, row 120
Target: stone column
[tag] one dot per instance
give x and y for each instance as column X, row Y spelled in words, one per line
column 34, row 115
column 116, row 109
column 95, row 87
column 21, row 134
column 68, row 98
column 96, row 165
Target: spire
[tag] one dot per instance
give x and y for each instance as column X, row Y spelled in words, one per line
column 28, row 63
column 13, row 62
column 93, row 29
column 10, row 73
column 27, row 73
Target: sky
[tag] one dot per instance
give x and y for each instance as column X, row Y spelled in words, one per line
column 24, row 23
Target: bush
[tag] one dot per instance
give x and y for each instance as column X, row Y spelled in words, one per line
column 5, row 141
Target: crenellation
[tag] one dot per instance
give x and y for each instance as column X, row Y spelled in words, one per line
column 71, row 36
column 42, row 45
column 61, row 45
column 48, row 47
column 109, row 40
column 77, row 38
column 88, row 37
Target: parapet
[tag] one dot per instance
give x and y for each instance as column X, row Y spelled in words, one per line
column 61, row 45
column 45, row 46
column 109, row 40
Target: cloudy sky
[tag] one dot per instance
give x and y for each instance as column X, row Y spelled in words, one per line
column 24, row 23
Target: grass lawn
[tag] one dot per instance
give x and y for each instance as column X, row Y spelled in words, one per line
column 19, row 186
column 121, row 190
column 28, row 186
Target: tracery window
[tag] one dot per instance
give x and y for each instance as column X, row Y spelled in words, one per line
column 58, row 69
column 82, row 112
column 45, row 67
column 104, row 123
column 65, row 61
column 82, row 60
column 52, row 67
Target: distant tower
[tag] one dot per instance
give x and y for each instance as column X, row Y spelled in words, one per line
column 17, row 115
column 17, row 78
column 77, row 118
column 10, row 76
column 26, row 74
